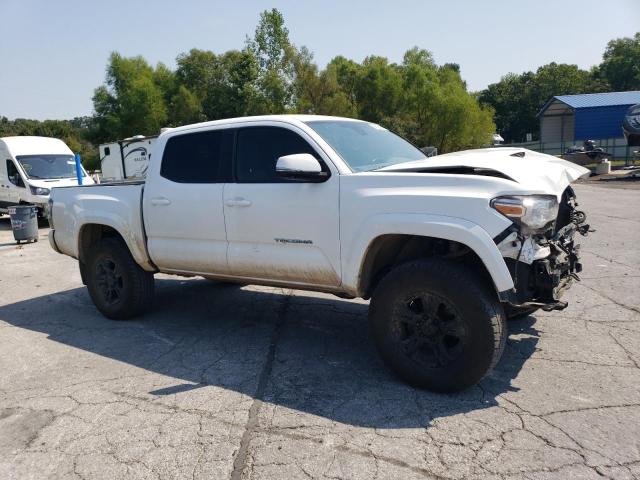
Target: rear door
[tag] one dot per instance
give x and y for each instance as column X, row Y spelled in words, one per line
column 183, row 212
column 281, row 229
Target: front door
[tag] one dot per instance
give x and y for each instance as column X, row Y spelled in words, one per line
column 183, row 210
column 280, row 229
column 11, row 185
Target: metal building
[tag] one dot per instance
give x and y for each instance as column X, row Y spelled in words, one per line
column 574, row 118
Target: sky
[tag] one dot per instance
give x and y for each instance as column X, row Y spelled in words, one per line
column 53, row 54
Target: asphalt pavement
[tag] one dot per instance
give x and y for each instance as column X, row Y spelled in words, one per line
column 229, row 382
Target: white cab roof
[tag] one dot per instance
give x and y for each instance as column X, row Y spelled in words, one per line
column 25, row 145
column 292, row 119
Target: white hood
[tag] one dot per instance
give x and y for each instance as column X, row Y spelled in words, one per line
column 59, row 182
column 533, row 170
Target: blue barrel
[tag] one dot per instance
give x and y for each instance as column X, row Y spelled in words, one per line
column 24, row 222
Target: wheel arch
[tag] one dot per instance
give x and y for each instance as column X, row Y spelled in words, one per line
column 90, row 233
column 445, row 237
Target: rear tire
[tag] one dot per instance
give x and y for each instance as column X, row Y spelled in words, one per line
column 437, row 324
column 119, row 288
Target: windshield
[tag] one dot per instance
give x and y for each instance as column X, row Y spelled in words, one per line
column 365, row 146
column 48, row 166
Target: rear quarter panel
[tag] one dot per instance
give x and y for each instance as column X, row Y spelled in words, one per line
column 115, row 206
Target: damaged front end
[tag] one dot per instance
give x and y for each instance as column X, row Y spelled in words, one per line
column 544, row 264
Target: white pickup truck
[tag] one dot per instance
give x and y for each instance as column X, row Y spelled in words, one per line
column 447, row 248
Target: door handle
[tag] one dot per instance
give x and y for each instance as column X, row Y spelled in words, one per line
column 160, row 201
column 238, row 202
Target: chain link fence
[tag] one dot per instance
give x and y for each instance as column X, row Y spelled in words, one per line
column 616, row 147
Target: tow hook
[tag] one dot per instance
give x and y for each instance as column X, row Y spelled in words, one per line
column 547, row 307
column 555, row 306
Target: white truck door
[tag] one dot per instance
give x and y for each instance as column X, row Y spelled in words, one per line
column 182, row 205
column 280, row 229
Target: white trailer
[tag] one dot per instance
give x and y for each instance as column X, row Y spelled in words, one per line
column 126, row 159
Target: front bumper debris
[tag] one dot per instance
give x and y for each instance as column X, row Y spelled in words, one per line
column 541, row 282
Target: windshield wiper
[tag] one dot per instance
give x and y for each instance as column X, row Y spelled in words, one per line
column 380, row 167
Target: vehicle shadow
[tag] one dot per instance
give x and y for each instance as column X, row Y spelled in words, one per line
column 306, row 352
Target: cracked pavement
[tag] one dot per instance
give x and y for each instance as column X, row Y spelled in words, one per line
column 228, row 382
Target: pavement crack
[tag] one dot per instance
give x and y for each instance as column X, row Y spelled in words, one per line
column 240, row 460
column 625, row 350
column 611, row 299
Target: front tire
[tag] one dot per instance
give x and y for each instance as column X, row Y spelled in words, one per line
column 437, row 324
column 119, row 288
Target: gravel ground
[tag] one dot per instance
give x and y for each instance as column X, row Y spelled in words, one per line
column 223, row 382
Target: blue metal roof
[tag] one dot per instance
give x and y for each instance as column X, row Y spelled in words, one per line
column 600, row 99
column 591, row 100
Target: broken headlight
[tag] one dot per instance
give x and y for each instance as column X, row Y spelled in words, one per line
column 535, row 212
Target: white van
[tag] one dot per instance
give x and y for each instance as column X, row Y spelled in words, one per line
column 31, row 166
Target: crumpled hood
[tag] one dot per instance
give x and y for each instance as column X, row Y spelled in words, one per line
column 532, row 170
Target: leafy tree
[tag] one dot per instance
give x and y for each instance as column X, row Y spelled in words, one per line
column 185, row 107
column 318, row 92
column 196, row 71
column 130, row 103
column 378, row 89
column 621, row 63
column 225, row 85
column 234, row 92
column 275, row 56
column 167, row 82
column 346, row 73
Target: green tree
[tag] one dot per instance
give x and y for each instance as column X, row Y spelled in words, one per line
column 275, row 56
column 196, row 71
column 185, row 108
column 346, row 73
column 378, row 89
column 438, row 110
column 620, row 65
column 225, row 85
column 234, row 92
column 130, row 102
column 318, row 92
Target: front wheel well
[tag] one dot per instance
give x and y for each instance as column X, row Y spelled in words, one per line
column 388, row 251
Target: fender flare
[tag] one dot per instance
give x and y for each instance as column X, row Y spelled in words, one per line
column 136, row 245
column 436, row 226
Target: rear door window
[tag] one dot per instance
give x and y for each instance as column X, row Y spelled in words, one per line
column 202, row 157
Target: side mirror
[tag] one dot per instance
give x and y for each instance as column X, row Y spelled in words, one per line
column 301, row 167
